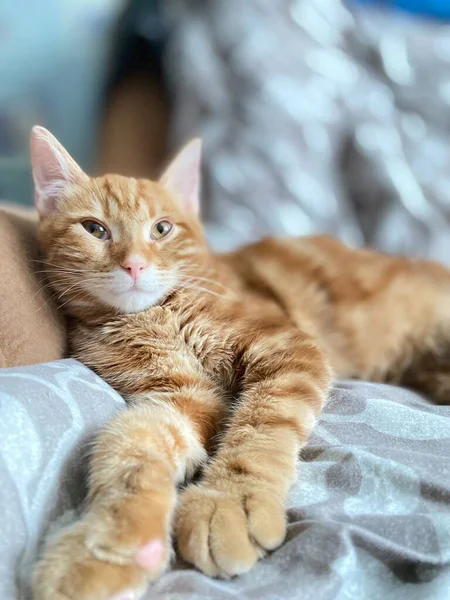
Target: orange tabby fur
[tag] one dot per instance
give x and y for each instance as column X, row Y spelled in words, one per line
column 235, row 363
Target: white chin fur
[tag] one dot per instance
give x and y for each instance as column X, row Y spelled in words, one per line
column 131, row 302
column 119, row 294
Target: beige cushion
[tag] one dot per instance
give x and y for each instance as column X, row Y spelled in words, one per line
column 31, row 329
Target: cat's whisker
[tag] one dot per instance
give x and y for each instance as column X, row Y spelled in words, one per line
column 48, row 285
column 188, row 282
column 190, row 286
column 49, row 299
column 72, row 275
column 207, row 280
column 80, row 283
column 77, row 295
column 58, row 269
column 49, row 264
column 183, row 272
column 68, row 279
column 193, row 278
column 60, row 306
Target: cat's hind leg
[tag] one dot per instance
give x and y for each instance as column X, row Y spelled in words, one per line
column 391, row 322
column 430, row 374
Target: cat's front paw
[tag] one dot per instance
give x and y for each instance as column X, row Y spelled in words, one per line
column 224, row 532
column 104, row 557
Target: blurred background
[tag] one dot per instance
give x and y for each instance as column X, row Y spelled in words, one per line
column 317, row 115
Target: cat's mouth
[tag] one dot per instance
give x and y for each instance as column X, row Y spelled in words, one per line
column 122, row 284
column 137, row 287
column 129, row 295
column 135, row 298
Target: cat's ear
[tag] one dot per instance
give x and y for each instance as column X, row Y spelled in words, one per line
column 54, row 170
column 182, row 177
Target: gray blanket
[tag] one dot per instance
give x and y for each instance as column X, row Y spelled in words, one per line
column 316, row 116
column 369, row 517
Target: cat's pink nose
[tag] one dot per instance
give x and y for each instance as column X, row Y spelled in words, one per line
column 134, row 266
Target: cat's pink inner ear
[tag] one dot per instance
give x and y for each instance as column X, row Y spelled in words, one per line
column 54, row 170
column 182, row 177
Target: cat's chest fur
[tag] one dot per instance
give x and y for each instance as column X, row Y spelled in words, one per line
column 135, row 353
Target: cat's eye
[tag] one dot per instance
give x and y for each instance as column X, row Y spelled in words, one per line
column 98, row 230
column 161, row 229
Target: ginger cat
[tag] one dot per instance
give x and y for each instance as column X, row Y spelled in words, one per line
column 225, row 362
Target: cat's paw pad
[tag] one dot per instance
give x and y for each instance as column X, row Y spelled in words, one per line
column 224, row 533
column 76, row 568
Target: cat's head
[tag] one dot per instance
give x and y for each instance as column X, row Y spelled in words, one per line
column 116, row 241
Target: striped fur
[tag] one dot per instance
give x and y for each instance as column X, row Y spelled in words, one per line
column 234, row 361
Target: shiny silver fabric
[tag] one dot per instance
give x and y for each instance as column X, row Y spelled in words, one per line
column 316, row 117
